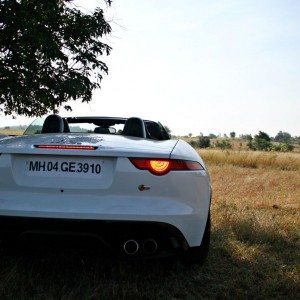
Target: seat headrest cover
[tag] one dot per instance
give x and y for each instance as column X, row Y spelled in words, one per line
column 134, row 127
column 154, row 131
column 53, row 124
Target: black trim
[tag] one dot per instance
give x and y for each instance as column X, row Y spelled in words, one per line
column 112, row 234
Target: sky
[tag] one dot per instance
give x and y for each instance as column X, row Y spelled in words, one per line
column 209, row 66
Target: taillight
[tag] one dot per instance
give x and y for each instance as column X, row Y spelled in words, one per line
column 161, row 166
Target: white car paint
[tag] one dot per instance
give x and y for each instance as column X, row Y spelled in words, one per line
column 179, row 198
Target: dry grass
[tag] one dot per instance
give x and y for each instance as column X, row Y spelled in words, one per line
column 253, row 159
column 11, row 131
column 254, row 249
column 258, row 212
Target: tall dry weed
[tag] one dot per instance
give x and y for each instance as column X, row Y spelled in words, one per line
column 251, row 159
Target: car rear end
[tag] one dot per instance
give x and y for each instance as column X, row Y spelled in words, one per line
column 114, row 189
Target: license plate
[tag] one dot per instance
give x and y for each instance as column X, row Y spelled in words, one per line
column 63, row 171
column 61, row 166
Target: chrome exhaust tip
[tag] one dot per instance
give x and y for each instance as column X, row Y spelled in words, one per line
column 150, row 246
column 131, row 247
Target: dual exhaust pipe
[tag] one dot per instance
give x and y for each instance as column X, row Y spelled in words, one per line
column 132, row 247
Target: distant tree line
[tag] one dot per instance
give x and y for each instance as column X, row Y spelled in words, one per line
column 283, row 141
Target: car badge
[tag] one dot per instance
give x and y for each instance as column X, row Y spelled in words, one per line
column 142, row 188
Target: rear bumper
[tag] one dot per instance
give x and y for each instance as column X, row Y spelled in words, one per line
column 111, row 234
column 185, row 210
column 191, row 225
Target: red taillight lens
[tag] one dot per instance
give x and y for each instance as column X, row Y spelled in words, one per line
column 164, row 166
column 66, row 147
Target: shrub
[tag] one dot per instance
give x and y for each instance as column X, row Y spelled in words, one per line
column 203, row 142
column 223, row 144
column 261, row 141
column 193, row 144
column 283, row 147
column 261, row 144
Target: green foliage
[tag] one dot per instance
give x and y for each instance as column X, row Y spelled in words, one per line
column 223, row 144
column 262, row 135
column 203, row 142
column 49, row 54
column 193, row 143
column 282, row 147
column 261, row 144
column 261, row 141
column 283, row 137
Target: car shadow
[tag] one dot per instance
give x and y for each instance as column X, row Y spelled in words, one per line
column 231, row 270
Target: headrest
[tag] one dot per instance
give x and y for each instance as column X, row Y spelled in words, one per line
column 134, row 127
column 53, row 124
column 154, row 131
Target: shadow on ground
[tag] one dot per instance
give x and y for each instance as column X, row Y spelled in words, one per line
column 48, row 273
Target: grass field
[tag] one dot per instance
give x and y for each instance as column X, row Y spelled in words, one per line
column 11, row 131
column 254, row 248
column 252, row 159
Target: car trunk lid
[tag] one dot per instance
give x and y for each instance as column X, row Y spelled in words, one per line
column 73, row 167
column 103, row 145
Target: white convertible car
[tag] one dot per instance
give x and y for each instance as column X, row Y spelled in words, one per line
column 121, row 181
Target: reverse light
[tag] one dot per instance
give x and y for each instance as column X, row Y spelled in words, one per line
column 163, row 166
column 66, row 147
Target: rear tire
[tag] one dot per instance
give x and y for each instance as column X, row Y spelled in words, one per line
column 198, row 255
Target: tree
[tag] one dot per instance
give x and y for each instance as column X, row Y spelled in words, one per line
column 212, row 136
column 232, row 134
column 49, row 54
column 190, row 134
column 262, row 135
column 261, row 141
column 283, row 137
